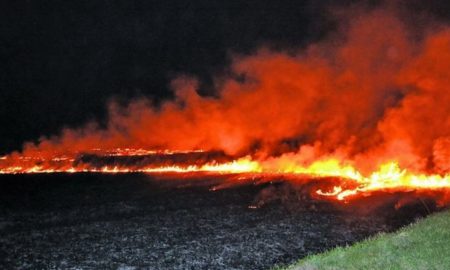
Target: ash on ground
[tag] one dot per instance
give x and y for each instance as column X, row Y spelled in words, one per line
column 135, row 221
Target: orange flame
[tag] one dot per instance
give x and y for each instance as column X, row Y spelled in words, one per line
column 369, row 106
column 389, row 176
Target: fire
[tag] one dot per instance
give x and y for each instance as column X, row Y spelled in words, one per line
column 368, row 106
column 242, row 165
column 389, row 176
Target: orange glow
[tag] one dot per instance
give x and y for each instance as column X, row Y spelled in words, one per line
column 389, row 176
column 368, row 106
column 65, row 165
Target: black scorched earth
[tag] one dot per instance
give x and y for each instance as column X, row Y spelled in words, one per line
column 138, row 221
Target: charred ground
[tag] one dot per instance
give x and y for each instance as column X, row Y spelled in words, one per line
column 140, row 221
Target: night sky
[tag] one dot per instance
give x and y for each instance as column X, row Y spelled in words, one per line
column 62, row 61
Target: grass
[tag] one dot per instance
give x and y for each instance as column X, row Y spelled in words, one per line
column 422, row 245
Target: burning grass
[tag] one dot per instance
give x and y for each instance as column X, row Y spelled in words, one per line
column 422, row 245
column 350, row 182
column 365, row 107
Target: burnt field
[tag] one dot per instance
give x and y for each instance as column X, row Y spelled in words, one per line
column 138, row 221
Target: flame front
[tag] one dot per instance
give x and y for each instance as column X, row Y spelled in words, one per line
column 368, row 106
column 389, row 176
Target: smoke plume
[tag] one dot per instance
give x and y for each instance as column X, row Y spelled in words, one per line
column 376, row 90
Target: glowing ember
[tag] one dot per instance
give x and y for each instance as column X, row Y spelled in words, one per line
column 139, row 152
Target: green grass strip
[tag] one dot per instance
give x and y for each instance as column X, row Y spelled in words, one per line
column 421, row 245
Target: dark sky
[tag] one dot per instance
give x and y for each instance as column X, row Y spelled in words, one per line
column 61, row 61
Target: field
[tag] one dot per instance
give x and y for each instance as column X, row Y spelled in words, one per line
column 135, row 221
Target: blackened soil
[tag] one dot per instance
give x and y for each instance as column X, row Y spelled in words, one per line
column 135, row 221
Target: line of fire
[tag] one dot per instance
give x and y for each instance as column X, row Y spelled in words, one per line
column 371, row 112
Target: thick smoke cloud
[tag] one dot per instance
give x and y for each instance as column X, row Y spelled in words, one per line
column 373, row 92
